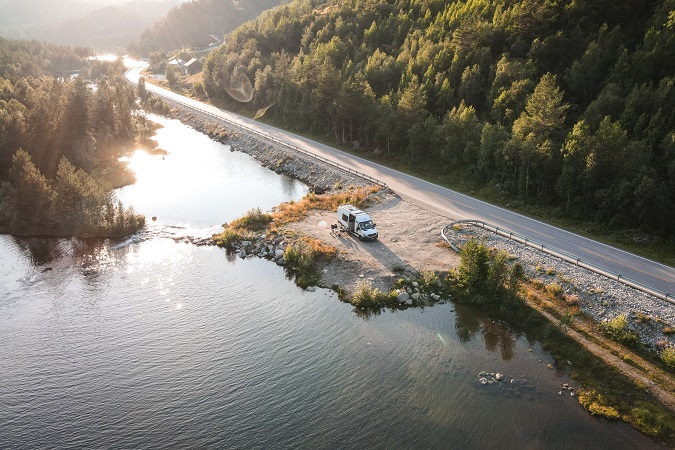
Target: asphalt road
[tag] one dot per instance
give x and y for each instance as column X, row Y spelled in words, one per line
column 456, row 206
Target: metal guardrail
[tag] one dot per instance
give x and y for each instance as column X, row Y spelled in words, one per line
column 562, row 255
column 275, row 140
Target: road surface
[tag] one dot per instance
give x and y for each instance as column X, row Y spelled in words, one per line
column 457, row 206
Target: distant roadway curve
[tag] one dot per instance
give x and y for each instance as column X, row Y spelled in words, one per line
column 457, row 206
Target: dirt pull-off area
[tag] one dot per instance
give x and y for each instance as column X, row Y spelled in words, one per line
column 409, row 241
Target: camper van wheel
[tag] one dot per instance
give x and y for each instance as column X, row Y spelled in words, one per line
column 360, row 238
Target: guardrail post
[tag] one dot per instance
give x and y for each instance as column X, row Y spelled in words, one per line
column 618, row 278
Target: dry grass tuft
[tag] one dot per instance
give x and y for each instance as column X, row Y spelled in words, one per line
column 296, row 211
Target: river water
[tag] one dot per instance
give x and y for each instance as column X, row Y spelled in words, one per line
column 152, row 342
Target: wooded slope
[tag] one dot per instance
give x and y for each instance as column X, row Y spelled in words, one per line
column 566, row 104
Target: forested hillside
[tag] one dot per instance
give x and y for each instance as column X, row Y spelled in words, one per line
column 60, row 140
column 194, row 21
column 565, row 104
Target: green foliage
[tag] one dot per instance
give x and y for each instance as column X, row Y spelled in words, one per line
column 617, row 329
column 60, row 142
column 254, row 220
column 174, row 75
column 554, row 290
column 228, row 237
column 474, row 265
column 366, row 296
column 72, row 204
column 300, row 259
column 193, row 22
column 485, row 277
column 668, row 357
column 430, row 279
column 543, row 100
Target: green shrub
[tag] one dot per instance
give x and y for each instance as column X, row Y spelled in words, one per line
column 254, row 220
column 366, row 296
column 227, row 238
column 668, row 357
column 398, row 268
column 299, row 257
column 554, row 290
column 430, row 278
column 617, row 330
column 597, row 404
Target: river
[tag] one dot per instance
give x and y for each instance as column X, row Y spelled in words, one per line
column 152, row 342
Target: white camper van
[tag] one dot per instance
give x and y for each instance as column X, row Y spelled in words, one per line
column 356, row 222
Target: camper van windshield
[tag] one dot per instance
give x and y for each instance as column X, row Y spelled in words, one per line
column 367, row 225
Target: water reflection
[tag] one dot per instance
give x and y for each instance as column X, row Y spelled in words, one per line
column 470, row 321
column 40, row 251
column 200, row 182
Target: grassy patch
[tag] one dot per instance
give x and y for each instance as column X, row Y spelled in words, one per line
column 254, row 220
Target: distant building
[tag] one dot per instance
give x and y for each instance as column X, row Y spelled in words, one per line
column 193, row 66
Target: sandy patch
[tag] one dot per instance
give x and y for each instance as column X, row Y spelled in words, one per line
column 410, row 241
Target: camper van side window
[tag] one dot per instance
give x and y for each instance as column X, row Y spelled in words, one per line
column 345, row 218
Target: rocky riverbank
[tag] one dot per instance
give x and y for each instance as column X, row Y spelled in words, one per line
column 319, row 175
column 596, row 296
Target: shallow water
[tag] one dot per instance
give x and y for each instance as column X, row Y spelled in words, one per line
column 151, row 342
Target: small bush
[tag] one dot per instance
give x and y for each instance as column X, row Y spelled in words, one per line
column 554, row 290
column 430, row 278
column 668, row 357
column 299, row 256
column 227, row 238
column 320, row 248
column 595, row 404
column 572, row 299
column 254, row 220
column 617, row 330
column 398, row 268
column 643, row 318
column 550, row 271
column 668, row 330
column 567, row 319
column 368, row 297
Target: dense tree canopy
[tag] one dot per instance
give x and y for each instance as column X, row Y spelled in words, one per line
column 566, row 104
column 60, row 139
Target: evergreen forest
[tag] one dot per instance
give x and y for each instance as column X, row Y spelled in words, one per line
column 564, row 105
column 60, row 141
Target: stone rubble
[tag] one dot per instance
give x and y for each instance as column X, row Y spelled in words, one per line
column 320, row 175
